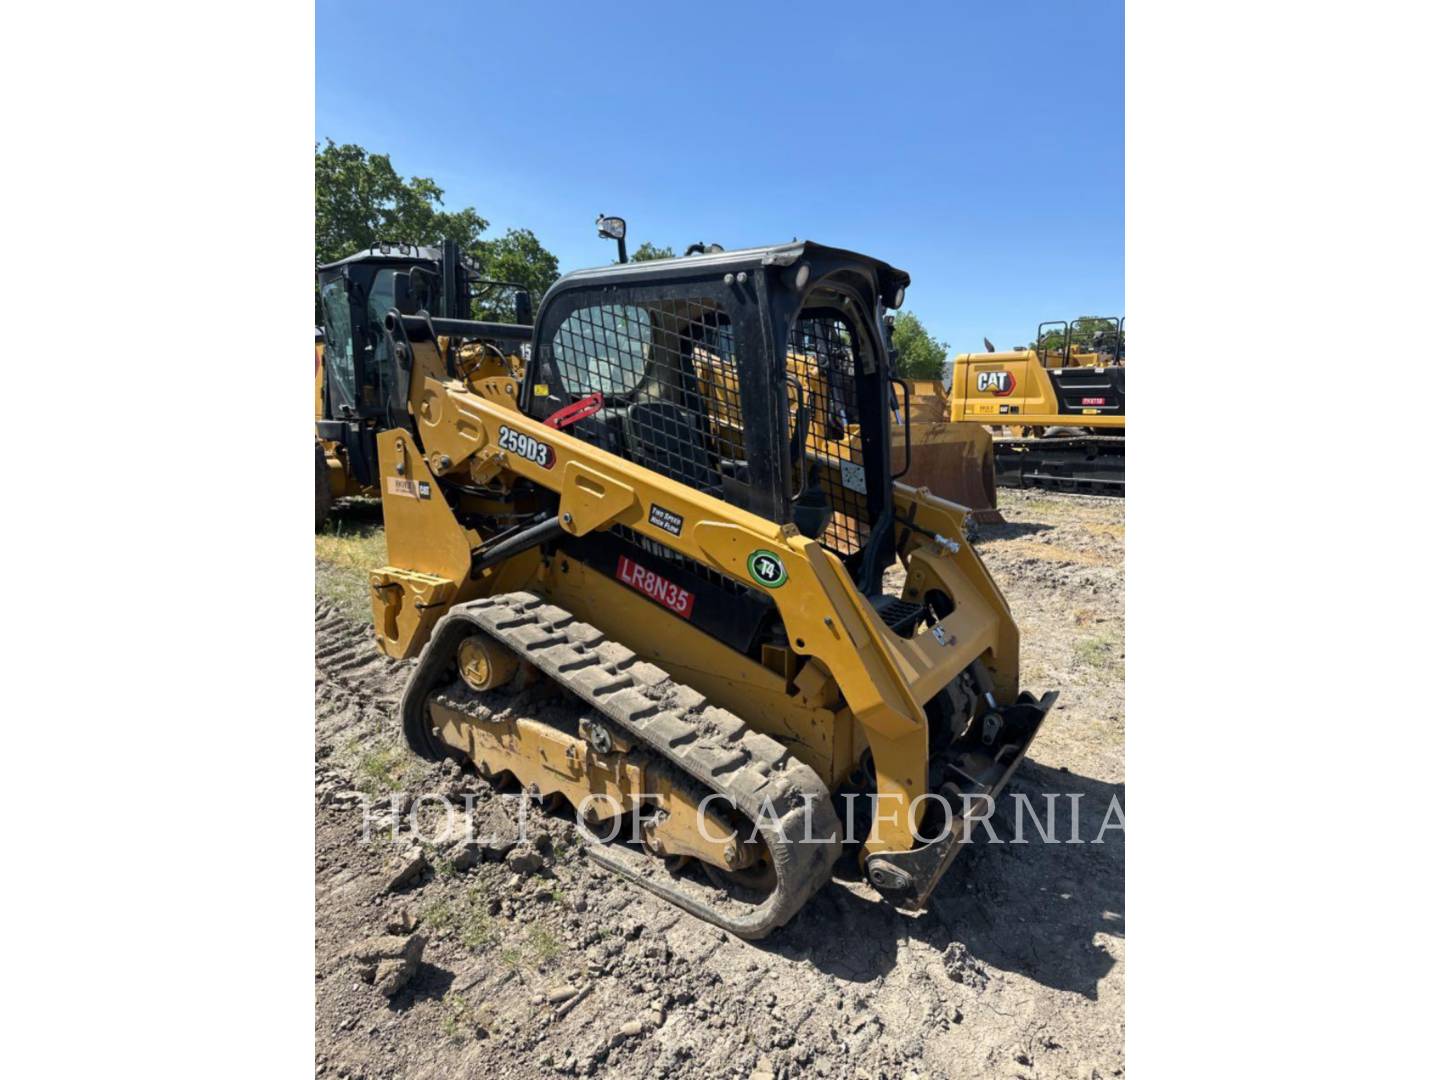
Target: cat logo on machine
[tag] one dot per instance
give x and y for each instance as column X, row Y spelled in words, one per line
column 527, row 447
column 999, row 383
column 767, row 569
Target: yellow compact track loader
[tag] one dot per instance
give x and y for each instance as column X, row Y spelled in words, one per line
column 351, row 401
column 682, row 517
column 1061, row 405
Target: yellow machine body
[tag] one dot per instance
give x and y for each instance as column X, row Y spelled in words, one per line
column 834, row 635
column 1019, row 389
column 838, row 690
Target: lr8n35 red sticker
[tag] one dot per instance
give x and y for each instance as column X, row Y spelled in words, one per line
column 656, row 587
column 527, row 447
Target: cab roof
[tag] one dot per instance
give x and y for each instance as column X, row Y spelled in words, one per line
column 887, row 277
column 406, row 253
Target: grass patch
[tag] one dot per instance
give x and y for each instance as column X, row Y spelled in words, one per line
column 441, row 915
column 383, row 769
column 1094, row 652
column 1036, row 549
column 461, row 1019
column 355, row 545
column 467, row 919
column 477, row 931
column 457, row 1015
column 545, row 943
column 345, row 553
column 1014, row 506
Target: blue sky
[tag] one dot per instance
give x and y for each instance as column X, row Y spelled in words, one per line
column 980, row 146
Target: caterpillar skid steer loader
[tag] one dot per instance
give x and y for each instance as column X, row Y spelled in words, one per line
column 656, row 520
column 353, row 400
column 1061, row 403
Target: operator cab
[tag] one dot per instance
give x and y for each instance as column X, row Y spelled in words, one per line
column 1085, row 361
column 760, row 376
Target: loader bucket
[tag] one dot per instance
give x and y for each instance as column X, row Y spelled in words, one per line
column 973, row 772
column 955, row 460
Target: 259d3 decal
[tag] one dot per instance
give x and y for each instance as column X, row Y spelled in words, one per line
column 527, row 447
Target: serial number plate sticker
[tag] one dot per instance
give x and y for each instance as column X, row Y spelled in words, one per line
column 407, row 489
column 527, row 447
column 657, row 588
column 668, row 520
column 853, row 476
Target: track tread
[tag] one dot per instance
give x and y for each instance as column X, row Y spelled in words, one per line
column 708, row 743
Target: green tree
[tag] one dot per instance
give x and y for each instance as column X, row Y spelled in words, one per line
column 516, row 257
column 921, row 356
column 361, row 200
column 647, row 251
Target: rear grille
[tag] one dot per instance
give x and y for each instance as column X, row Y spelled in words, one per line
column 1090, row 388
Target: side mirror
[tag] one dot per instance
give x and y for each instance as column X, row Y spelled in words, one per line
column 524, row 313
column 613, row 228
column 419, row 284
column 404, row 297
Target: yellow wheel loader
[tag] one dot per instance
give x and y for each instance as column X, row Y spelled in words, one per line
column 352, row 400
column 682, row 517
column 1060, row 404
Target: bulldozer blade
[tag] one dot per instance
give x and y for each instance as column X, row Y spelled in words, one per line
column 955, row 460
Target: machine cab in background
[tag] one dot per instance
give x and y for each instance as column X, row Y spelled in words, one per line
column 359, row 390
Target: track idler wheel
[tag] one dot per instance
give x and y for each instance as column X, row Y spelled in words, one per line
column 484, row 663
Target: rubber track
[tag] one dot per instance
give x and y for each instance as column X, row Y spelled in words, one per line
column 767, row 784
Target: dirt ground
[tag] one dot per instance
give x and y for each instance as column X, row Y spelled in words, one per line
column 545, row 965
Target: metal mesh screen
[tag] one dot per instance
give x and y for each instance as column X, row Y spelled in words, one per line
column 667, row 377
column 821, row 366
column 665, row 371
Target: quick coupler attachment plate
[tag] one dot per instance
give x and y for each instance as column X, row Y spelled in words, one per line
column 973, row 772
